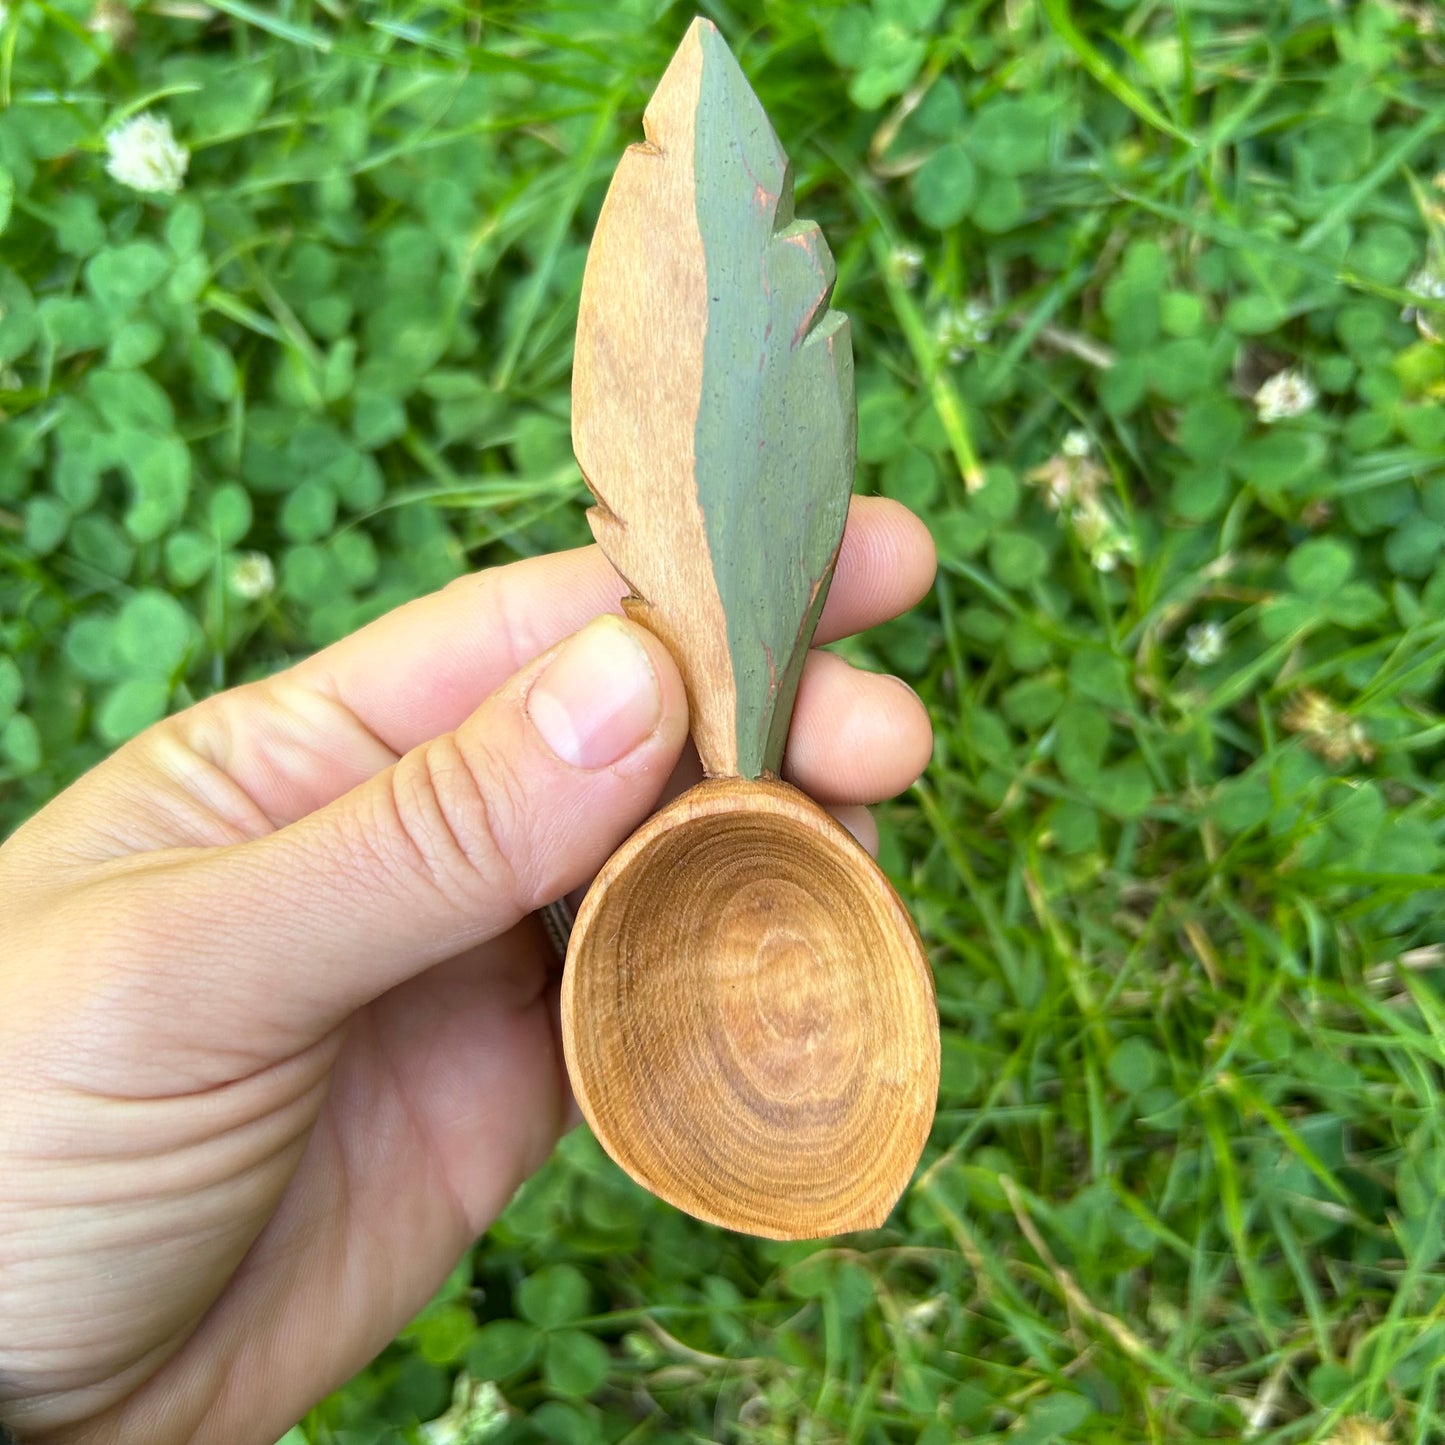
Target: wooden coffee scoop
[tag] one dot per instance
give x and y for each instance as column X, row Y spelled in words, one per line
column 747, row 1011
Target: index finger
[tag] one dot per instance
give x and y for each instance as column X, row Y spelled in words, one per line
column 420, row 670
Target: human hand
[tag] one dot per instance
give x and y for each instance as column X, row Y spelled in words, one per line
column 279, row 1028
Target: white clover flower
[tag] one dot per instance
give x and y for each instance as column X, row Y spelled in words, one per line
column 1204, row 643
column 1076, row 444
column 144, row 154
column 961, row 329
column 904, row 263
column 253, row 577
column 1287, row 393
column 1428, row 283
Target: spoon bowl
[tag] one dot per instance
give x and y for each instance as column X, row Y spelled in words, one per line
column 749, row 1017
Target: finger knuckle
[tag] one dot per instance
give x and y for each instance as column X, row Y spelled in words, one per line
column 459, row 816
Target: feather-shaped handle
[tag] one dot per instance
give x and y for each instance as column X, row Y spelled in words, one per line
column 712, row 403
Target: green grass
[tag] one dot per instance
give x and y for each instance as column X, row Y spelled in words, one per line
column 1182, row 888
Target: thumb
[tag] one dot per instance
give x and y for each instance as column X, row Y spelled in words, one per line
column 449, row 847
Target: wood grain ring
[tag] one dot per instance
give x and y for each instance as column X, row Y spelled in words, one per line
column 749, row 1018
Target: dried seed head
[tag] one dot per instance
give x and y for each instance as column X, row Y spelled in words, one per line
column 1361, row 1430
column 1326, row 729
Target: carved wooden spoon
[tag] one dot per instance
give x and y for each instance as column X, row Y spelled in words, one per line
column 747, row 1012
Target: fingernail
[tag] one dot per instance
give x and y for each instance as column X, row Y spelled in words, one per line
column 908, row 687
column 598, row 698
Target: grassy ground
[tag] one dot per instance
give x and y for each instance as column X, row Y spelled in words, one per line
column 1178, row 859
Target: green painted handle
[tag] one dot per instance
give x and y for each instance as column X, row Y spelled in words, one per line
column 712, row 403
